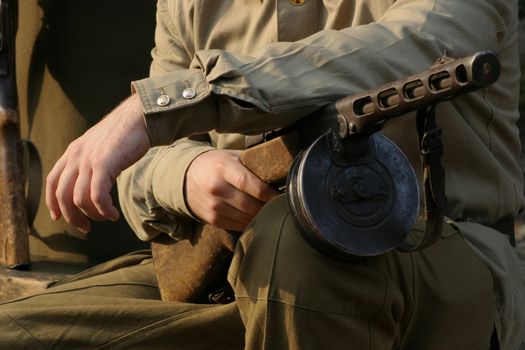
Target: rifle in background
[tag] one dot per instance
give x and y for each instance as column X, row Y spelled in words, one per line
column 14, row 227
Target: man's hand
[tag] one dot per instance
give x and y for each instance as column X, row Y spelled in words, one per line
column 223, row 192
column 78, row 187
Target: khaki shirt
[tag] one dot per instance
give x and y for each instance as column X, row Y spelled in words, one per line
column 257, row 65
column 229, row 66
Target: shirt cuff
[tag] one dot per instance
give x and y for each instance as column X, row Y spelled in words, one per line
column 171, row 103
column 169, row 177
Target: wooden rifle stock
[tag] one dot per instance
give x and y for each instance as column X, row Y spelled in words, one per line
column 14, row 228
column 186, row 269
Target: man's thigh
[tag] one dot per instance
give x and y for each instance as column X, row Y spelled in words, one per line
column 290, row 295
column 116, row 305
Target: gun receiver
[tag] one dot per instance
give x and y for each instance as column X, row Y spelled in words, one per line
column 14, row 228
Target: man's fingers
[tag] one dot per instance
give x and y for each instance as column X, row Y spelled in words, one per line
column 227, row 217
column 246, row 181
column 64, row 196
column 51, row 186
column 101, row 185
column 236, row 215
column 243, row 202
column 82, row 196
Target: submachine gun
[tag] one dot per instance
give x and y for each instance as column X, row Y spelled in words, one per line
column 352, row 192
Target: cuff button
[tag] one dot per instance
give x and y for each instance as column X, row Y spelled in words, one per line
column 163, row 100
column 189, row 93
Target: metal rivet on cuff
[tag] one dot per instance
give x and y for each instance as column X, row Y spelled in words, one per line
column 163, row 100
column 189, row 93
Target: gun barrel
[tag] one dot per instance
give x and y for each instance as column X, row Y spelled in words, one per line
column 367, row 112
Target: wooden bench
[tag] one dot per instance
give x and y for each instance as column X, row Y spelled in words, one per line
column 40, row 275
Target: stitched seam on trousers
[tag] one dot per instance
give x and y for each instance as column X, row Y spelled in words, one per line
column 272, row 274
column 138, row 331
column 87, row 273
column 77, row 289
column 414, row 296
column 25, row 330
column 299, row 306
column 388, row 294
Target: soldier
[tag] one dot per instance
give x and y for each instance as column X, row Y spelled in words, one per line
column 248, row 67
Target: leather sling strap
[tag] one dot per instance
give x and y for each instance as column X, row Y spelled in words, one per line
column 435, row 201
column 33, row 177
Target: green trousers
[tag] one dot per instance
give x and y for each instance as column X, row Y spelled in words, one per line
column 288, row 296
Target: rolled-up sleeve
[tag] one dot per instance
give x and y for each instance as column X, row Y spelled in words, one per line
column 247, row 94
column 151, row 192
